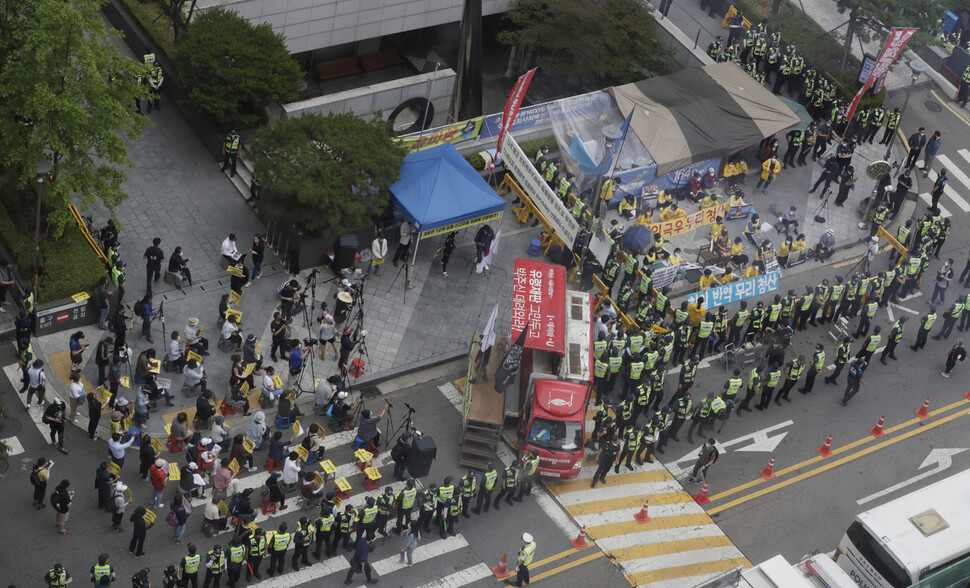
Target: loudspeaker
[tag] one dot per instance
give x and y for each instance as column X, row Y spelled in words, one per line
column 344, row 252
column 422, row 453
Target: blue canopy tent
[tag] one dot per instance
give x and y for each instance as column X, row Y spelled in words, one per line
column 440, row 192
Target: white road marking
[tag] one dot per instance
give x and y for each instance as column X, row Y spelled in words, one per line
column 955, row 172
column 925, row 197
column 626, row 515
column 658, row 536
column 305, row 575
column 14, row 447
column 422, row 553
column 608, row 492
column 461, row 577
column 672, row 560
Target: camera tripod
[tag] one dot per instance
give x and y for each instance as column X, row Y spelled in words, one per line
column 406, row 425
column 823, row 206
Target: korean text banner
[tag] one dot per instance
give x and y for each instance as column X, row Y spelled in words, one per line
column 552, row 209
column 679, row 226
column 455, row 134
column 539, row 301
column 736, row 291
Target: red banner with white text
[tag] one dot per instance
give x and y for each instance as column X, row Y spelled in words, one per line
column 512, row 105
column 894, row 46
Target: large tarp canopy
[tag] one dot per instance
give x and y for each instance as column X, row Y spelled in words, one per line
column 702, row 113
column 439, row 188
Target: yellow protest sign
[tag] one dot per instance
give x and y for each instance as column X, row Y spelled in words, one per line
column 250, row 367
column 114, row 469
column 277, row 382
column 234, row 271
column 103, row 395
column 154, row 366
column 223, row 509
column 248, row 445
column 297, row 429
column 168, row 428
column 234, row 297
column 256, row 349
column 342, row 484
column 233, row 312
column 128, row 495
column 372, row 473
column 234, row 467
column 80, row 297
column 328, row 467
column 302, row 452
column 193, row 355
column 149, row 517
column 319, row 480
column 174, row 474
column 124, row 382
column 157, row 444
column 363, row 455
column 679, row 226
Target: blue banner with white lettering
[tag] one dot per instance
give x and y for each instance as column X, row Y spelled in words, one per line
column 736, row 291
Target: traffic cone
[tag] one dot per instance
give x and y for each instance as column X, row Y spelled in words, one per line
column 642, row 517
column 769, row 473
column 701, row 497
column 967, row 394
column 923, row 411
column 826, row 450
column 580, row 541
column 501, row 572
column 877, row 430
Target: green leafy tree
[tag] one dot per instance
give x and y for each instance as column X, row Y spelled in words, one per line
column 233, row 69
column 873, row 18
column 328, row 173
column 178, row 14
column 66, row 94
column 605, row 42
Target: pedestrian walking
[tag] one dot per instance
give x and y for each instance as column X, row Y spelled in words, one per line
column 255, row 551
column 446, row 250
column 793, row 371
column 324, row 527
column 870, row 345
column 950, row 319
column 523, row 559
column 426, row 504
column 359, row 562
column 139, row 531
column 957, row 353
column 510, row 479
column 411, row 540
column 944, row 276
column 61, row 500
column 854, row 379
column 178, row 516
column 605, row 458
column 932, row 147
column 55, row 416
column 230, row 149
column 706, row 457
column 769, row 170
column 916, row 143
column 153, row 257
column 37, row 385
column 39, row 475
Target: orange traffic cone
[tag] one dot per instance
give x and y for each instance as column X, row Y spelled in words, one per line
column 877, row 430
column 642, row 517
column 769, row 473
column 967, row 394
column 923, row 411
column 826, row 450
column 580, row 541
column 701, row 497
column 501, row 572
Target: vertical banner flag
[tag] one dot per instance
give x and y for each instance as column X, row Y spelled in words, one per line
column 894, row 46
column 506, row 372
column 513, row 104
column 491, row 328
column 607, row 165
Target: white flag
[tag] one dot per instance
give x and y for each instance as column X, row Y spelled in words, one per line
column 487, row 258
column 491, row 327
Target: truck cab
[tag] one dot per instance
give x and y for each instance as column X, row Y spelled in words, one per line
column 553, row 421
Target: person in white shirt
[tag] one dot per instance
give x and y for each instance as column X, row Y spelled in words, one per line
column 271, row 391
column 229, row 250
column 230, row 332
column 291, row 470
column 194, row 374
column 327, row 334
column 379, row 250
column 404, row 243
column 117, row 449
column 77, row 393
column 37, row 382
column 176, row 353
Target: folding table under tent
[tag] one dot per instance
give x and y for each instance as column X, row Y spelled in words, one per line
column 439, row 192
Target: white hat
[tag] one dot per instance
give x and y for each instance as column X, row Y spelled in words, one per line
column 527, row 537
column 206, row 441
column 830, row 231
column 341, row 395
column 193, row 466
column 120, row 487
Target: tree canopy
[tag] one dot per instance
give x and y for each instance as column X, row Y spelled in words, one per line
column 328, row 173
column 66, row 94
column 233, row 69
column 611, row 41
column 869, row 18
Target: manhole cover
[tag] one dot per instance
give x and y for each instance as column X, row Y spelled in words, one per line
column 933, row 106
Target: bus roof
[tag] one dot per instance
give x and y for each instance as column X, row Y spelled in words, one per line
column 907, row 543
column 576, row 365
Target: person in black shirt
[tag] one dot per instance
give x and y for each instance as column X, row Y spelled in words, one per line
column 104, row 303
column 139, row 530
column 854, row 378
column 257, row 251
column 120, row 326
column 179, row 264
column 605, row 458
column 155, row 258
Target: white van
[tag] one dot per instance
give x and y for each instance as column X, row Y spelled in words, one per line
column 920, row 540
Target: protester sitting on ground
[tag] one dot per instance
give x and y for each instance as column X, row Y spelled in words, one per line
column 825, row 246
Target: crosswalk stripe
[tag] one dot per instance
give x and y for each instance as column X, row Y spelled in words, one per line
column 684, row 571
column 628, row 502
column 461, row 577
column 659, row 511
column 608, row 493
column 955, row 172
column 621, row 542
column 965, row 154
column 925, row 197
column 699, row 580
column 630, row 526
column 694, row 555
column 305, row 575
column 422, row 552
column 611, row 480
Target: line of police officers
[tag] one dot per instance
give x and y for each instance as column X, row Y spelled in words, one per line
column 635, row 361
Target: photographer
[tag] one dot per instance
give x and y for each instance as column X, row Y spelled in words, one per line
column 400, row 453
column 297, row 354
column 289, row 297
column 367, row 429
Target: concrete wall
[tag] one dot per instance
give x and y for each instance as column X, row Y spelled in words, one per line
column 385, row 97
column 316, row 24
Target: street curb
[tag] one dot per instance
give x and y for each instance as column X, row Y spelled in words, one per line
column 371, row 382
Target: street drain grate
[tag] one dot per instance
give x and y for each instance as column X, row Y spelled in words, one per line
column 933, row 106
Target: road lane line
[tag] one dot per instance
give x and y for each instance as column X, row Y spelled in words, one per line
column 833, row 464
column 611, row 480
column 677, row 546
column 696, row 556
column 688, row 570
column 461, row 577
column 836, row 451
column 631, row 526
column 947, row 106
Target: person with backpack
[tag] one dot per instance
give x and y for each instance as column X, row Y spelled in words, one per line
column 117, row 505
column 61, row 500
column 143, row 308
column 39, row 474
column 170, row 576
column 178, row 516
column 705, row 459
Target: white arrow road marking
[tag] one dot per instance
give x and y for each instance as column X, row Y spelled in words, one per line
column 761, row 442
column 943, row 458
column 767, row 444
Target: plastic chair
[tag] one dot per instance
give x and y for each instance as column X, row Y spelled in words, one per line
column 359, row 443
column 175, row 445
column 282, row 422
column 226, row 409
column 272, row 465
column 311, row 458
column 268, row 506
column 534, row 247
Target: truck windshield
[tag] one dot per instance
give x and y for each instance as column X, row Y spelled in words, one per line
column 877, row 556
column 556, row 435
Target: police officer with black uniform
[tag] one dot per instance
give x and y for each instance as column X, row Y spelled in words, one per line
column 605, row 458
